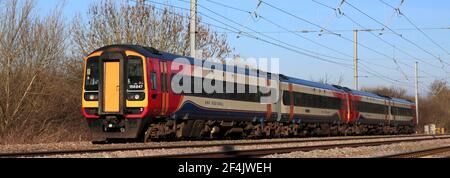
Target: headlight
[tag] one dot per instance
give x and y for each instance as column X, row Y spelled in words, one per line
column 91, row 96
column 136, row 96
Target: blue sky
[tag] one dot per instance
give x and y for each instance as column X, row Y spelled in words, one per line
column 428, row 14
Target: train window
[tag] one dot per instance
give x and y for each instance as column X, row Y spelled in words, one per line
column 312, row 101
column 153, row 81
column 164, row 82
column 135, row 71
column 92, row 74
column 297, row 99
column 246, row 96
column 326, row 102
column 372, row 108
column 286, row 98
column 401, row 111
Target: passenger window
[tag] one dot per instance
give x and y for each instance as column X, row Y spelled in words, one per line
column 286, row 99
column 135, row 74
column 92, row 74
column 153, row 81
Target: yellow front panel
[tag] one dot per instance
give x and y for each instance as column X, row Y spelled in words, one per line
column 111, row 87
column 144, row 103
column 89, row 104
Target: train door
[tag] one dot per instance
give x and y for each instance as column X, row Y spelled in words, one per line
column 164, row 78
column 273, row 105
column 353, row 114
column 155, row 89
column 346, row 116
column 388, row 116
column 111, row 87
column 159, row 79
column 291, row 102
column 160, row 83
column 279, row 101
column 393, row 111
column 112, row 83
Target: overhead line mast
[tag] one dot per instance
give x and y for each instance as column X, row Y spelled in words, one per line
column 355, row 35
column 193, row 28
column 417, row 92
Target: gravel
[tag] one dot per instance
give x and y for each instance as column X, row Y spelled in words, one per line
column 159, row 152
column 440, row 155
column 89, row 145
column 333, row 153
column 366, row 152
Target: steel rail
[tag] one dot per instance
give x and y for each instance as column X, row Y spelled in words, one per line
column 252, row 153
column 420, row 153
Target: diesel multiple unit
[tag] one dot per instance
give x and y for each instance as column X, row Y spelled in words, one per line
column 128, row 94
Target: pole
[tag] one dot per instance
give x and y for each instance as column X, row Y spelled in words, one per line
column 355, row 40
column 193, row 27
column 417, row 92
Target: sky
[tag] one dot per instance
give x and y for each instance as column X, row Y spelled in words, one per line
column 386, row 58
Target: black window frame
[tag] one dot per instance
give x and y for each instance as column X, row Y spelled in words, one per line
column 141, row 61
column 311, row 100
column 153, row 81
column 246, row 96
column 373, row 108
column 92, row 88
column 399, row 111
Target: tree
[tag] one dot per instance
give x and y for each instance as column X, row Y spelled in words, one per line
column 165, row 29
column 435, row 109
column 32, row 56
column 329, row 81
column 41, row 70
column 390, row 91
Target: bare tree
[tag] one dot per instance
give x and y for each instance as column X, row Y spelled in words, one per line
column 40, row 62
column 390, row 91
column 32, row 58
column 435, row 107
column 327, row 79
column 438, row 87
column 165, row 29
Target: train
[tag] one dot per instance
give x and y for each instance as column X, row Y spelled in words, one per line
column 128, row 95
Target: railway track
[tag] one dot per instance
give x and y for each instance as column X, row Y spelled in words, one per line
column 228, row 147
column 421, row 153
column 255, row 153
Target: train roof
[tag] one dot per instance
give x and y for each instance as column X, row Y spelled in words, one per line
column 367, row 94
column 402, row 101
column 372, row 95
column 308, row 83
column 146, row 51
column 154, row 53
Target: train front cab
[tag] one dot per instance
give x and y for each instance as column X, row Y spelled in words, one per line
column 115, row 98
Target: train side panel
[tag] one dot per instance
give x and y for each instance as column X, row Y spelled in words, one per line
column 216, row 106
